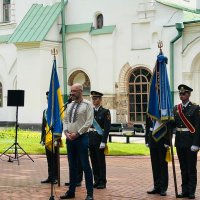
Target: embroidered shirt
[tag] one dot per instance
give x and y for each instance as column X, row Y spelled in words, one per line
column 78, row 117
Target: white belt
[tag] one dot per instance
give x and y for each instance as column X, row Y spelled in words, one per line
column 92, row 129
column 182, row 129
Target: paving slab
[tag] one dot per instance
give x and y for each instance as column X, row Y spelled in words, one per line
column 129, row 177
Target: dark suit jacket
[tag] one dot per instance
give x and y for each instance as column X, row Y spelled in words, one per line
column 185, row 138
column 103, row 118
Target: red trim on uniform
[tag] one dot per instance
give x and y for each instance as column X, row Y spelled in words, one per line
column 185, row 120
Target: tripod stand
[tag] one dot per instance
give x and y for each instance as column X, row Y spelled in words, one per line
column 15, row 145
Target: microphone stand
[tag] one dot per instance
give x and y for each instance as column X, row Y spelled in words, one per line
column 52, row 143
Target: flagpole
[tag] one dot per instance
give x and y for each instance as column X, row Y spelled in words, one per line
column 160, row 45
column 54, row 52
column 173, row 162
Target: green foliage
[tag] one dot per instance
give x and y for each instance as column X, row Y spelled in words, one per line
column 30, row 142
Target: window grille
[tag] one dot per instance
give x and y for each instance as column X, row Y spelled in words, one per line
column 139, row 83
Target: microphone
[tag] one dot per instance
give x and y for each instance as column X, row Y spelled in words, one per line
column 68, row 101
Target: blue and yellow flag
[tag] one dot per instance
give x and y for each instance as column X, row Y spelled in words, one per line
column 160, row 105
column 55, row 109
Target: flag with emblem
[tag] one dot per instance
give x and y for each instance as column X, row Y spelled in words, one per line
column 55, row 112
column 160, row 105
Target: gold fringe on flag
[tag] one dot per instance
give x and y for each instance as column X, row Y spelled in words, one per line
column 168, row 157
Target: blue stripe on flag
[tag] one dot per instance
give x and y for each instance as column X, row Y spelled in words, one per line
column 55, row 109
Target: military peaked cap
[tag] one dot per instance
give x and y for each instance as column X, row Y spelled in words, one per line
column 184, row 88
column 96, row 94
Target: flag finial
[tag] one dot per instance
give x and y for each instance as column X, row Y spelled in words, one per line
column 160, row 45
column 54, row 52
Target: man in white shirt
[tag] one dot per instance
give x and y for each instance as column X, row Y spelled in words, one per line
column 78, row 119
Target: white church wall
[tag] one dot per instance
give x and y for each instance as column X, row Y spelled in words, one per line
column 101, row 57
column 81, row 56
column 8, row 74
column 104, row 72
column 34, row 72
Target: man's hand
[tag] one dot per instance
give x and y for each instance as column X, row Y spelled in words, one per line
column 194, row 148
column 42, row 143
column 147, row 145
column 71, row 136
column 166, row 145
column 102, row 145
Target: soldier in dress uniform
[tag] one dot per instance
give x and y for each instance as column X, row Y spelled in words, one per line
column 187, row 122
column 52, row 170
column 159, row 165
column 97, row 140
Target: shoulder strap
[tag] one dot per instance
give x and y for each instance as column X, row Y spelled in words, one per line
column 97, row 127
column 184, row 119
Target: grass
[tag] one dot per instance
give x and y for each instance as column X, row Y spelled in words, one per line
column 30, row 142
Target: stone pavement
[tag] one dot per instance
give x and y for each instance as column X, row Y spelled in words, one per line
column 128, row 179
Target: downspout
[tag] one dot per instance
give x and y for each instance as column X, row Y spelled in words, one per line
column 64, row 51
column 179, row 28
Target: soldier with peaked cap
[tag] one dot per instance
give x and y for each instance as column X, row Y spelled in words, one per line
column 187, row 122
column 52, row 170
column 98, row 139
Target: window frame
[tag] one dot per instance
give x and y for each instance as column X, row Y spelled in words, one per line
column 138, row 96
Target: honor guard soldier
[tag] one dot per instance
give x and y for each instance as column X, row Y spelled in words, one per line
column 98, row 136
column 187, row 122
column 52, row 170
column 158, row 150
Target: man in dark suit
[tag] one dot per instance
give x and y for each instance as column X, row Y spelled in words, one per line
column 97, row 140
column 187, row 122
column 159, row 165
column 52, row 169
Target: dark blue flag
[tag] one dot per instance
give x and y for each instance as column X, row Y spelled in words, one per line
column 160, row 105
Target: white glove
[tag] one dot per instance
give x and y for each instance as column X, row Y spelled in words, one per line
column 194, row 148
column 147, row 145
column 102, row 145
column 166, row 146
column 42, row 143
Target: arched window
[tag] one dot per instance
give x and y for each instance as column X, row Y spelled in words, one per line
column 99, row 21
column 1, row 95
column 139, row 82
column 82, row 78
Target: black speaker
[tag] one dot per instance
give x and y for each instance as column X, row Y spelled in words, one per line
column 15, row 98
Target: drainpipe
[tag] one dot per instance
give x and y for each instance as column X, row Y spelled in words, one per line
column 64, row 51
column 179, row 28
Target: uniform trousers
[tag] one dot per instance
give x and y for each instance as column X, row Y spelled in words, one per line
column 78, row 148
column 188, row 163
column 52, row 161
column 159, row 168
column 98, row 161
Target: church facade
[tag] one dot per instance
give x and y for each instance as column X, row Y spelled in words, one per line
column 108, row 46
